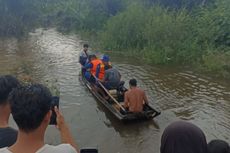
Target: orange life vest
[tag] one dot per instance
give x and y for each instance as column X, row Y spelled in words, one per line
column 102, row 71
column 95, row 63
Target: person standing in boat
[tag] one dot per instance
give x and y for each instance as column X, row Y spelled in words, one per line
column 135, row 98
column 84, row 55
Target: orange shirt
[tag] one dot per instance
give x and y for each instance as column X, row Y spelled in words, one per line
column 134, row 99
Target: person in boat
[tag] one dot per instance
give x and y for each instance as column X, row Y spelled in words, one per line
column 83, row 58
column 135, row 98
column 31, row 110
column 102, row 67
column 112, row 78
column 183, row 137
column 100, row 73
column 91, row 67
column 8, row 135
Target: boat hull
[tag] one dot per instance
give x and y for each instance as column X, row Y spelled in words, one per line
column 148, row 114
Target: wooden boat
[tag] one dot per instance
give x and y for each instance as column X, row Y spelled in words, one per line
column 148, row 112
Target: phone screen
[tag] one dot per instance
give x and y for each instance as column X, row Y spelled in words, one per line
column 89, row 151
column 54, row 102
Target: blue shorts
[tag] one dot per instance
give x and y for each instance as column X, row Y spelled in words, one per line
column 87, row 75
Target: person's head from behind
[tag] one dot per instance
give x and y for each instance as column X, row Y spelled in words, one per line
column 7, row 84
column 132, row 83
column 30, row 107
column 92, row 57
column 218, row 146
column 105, row 59
column 183, row 137
column 85, row 47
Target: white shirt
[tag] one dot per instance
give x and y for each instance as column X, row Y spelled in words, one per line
column 62, row 148
column 83, row 54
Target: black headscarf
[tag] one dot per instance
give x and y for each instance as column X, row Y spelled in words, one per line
column 183, row 137
column 218, row 146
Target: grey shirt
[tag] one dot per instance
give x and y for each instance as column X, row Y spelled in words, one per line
column 112, row 77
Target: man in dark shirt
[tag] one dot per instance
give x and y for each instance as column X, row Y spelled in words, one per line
column 112, row 79
column 8, row 135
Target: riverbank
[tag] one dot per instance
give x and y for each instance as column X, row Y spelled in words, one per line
column 216, row 65
column 173, row 37
column 213, row 65
column 165, row 33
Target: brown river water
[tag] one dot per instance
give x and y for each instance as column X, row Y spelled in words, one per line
column 49, row 56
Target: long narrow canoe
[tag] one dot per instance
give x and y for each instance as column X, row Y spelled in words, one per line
column 146, row 114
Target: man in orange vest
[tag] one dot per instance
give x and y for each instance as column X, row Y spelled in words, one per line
column 92, row 67
column 102, row 67
column 94, row 61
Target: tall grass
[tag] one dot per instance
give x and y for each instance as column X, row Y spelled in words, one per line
column 166, row 36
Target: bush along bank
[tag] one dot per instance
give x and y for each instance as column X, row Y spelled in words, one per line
column 198, row 38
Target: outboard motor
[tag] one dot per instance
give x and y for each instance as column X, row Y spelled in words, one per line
column 121, row 87
column 121, row 91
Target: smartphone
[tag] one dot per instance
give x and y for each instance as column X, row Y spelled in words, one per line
column 54, row 102
column 88, row 151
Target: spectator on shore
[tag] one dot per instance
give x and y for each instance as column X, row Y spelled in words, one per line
column 218, row 146
column 8, row 135
column 31, row 110
column 183, row 137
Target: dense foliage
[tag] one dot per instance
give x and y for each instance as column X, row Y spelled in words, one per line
column 199, row 37
column 18, row 17
column 190, row 32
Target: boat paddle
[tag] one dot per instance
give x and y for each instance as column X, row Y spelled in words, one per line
column 110, row 94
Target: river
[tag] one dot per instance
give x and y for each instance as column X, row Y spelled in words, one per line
column 48, row 56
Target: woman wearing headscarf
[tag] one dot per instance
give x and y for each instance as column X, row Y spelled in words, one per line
column 183, row 137
column 218, row 146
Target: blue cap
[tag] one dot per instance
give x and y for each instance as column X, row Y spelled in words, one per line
column 105, row 58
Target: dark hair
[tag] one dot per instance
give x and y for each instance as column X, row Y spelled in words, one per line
column 92, row 56
column 7, row 83
column 218, row 146
column 86, row 46
column 133, row 82
column 29, row 105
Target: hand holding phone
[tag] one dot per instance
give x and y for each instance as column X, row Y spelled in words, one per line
column 54, row 103
column 60, row 119
column 65, row 133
